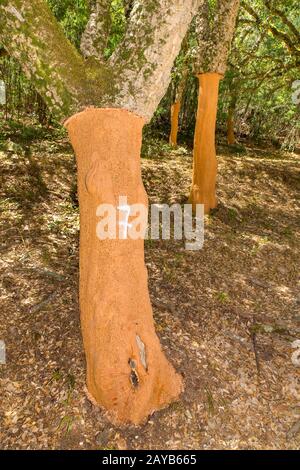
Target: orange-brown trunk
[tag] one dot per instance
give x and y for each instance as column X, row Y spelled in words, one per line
column 127, row 372
column 175, row 110
column 204, row 156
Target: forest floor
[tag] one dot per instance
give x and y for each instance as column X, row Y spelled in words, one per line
column 227, row 315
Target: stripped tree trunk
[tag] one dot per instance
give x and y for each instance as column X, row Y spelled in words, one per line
column 105, row 105
column 204, row 157
column 176, row 106
column 119, row 337
column 210, row 64
column 96, row 34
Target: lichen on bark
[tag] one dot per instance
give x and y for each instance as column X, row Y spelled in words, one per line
column 96, row 34
column 136, row 75
column 31, row 34
column 214, row 25
column 145, row 57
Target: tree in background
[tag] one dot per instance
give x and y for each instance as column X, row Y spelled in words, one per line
column 255, row 97
column 214, row 31
column 104, row 105
column 256, row 93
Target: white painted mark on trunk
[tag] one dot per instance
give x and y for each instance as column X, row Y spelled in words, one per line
column 123, row 223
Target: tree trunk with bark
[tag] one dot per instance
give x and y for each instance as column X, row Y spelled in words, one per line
column 104, row 105
column 178, row 93
column 233, row 98
column 214, row 41
column 230, row 123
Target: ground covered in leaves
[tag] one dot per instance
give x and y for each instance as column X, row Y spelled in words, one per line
column 227, row 315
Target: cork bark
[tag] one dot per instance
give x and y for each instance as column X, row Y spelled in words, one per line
column 215, row 27
column 135, row 77
column 96, row 34
column 145, row 57
column 30, row 34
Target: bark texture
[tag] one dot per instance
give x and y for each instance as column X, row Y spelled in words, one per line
column 214, row 29
column 95, row 37
column 30, row 34
column 204, row 157
column 127, row 372
column 128, row 4
column 145, row 57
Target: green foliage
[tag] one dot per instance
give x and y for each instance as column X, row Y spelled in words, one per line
column 263, row 65
column 118, row 26
column 261, row 70
column 73, row 17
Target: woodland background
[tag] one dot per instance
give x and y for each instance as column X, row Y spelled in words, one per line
column 258, row 86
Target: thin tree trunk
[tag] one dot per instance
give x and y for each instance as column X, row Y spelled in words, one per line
column 230, row 129
column 230, row 119
column 178, row 95
column 176, row 107
column 175, row 111
column 204, row 157
column 127, row 372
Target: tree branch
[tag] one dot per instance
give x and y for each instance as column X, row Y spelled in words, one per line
column 95, row 37
column 145, row 57
column 289, row 43
column 282, row 36
column 214, row 44
column 135, row 77
column 30, row 34
column 285, row 20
